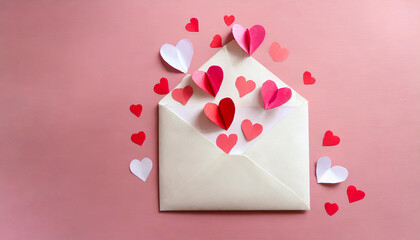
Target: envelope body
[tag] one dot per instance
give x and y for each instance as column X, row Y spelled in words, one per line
column 270, row 172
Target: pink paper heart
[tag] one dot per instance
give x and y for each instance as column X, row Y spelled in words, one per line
column 248, row 39
column 209, row 81
column 273, row 97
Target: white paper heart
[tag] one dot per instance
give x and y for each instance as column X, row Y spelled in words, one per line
column 141, row 168
column 179, row 56
column 327, row 174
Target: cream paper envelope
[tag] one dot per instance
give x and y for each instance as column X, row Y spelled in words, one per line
column 270, row 172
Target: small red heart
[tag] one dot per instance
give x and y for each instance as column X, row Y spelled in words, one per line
column 136, row 109
column 229, row 19
column 278, row 53
column 138, row 138
column 221, row 115
column 251, row 131
column 217, row 41
column 192, row 26
column 331, row 208
column 330, row 139
column 162, row 88
column 307, row 78
column 182, row 95
column 226, row 143
column 244, row 87
column 354, row 195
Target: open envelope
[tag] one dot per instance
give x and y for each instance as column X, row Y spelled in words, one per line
column 271, row 172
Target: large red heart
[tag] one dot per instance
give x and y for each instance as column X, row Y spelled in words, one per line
column 138, row 138
column 229, row 19
column 192, row 26
column 273, row 97
column 136, row 109
column 278, row 53
column 244, row 87
column 331, row 208
column 354, row 195
column 226, row 143
column 162, row 88
column 307, row 78
column 251, row 131
column 182, row 95
column 330, row 139
column 209, row 81
column 216, row 42
column 221, row 115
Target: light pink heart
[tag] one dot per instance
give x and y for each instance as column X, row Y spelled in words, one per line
column 248, row 39
column 274, row 97
column 209, row 81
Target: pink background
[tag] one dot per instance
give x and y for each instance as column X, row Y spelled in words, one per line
column 70, row 70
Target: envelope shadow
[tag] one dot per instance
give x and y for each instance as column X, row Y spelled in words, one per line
column 239, row 212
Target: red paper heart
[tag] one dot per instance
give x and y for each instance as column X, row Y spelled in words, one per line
column 278, row 53
column 216, row 42
column 307, row 78
column 330, row 139
column 209, row 81
column 251, row 131
column 162, row 88
column 138, row 138
column 229, row 19
column 192, row 26
column 273, row 97
column 226, row 143
column 182, row 95
column 354, row 195
column 136, row 109
column 244, row 87
column 331, row 208
column 221, row 115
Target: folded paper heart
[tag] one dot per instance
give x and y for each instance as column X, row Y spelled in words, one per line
column 209, row 81
column 331, row 208
column 226, row 143
column 250, row 130
column 274, row 97
column 182, row 95
column 244, row 87
column 136, row 109
column 248, row 39
column 354, row 195
column 138, row 138
column 229, row 19
column 330, row 139
column 277, row 53
column 216, row 42
column 162, row 87
column 327, row 174
column 141, row 168
column 307, row 78
column 192, row 26
column 221, row 115
column 179, row 56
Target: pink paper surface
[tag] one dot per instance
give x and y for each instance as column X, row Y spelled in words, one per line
column 71, row 69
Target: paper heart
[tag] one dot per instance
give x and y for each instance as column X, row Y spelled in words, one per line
column 179, row 56
column 138, row 138
column 248, row 39
column 244, row 87
column 226, row 143
column 192, row 26
column 251, row 131
column 354, row 195
column 307, row 78
column 209, row 81
column 277, row 53
column 229, row 19
column 327, row 174
column 162, row 88
column 273, row 97
column 136, row 109
column 330, row 139
column 141, row 168
column 331, row 208
column 182, row 95
column 221, row 115
column 216, row 42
